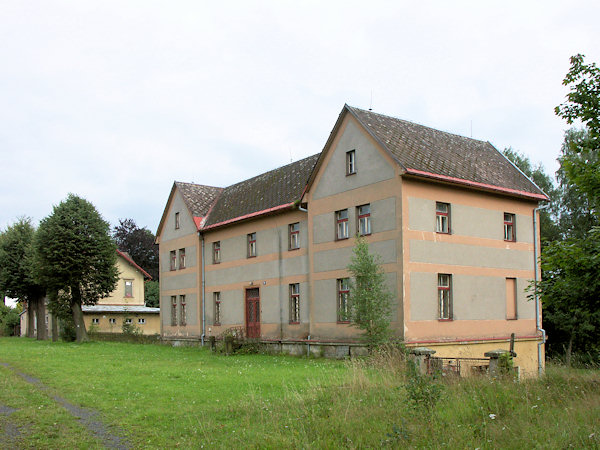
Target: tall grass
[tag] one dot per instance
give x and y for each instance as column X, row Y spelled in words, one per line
column 186, row 397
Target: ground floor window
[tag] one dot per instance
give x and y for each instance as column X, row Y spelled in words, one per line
column 182, row 314
column 95, row 321
column 445, row 296
column 173, row 310
column 295, row 303
column 112, row 321
column 217, row 302
column 343, row 293
column 141, row 321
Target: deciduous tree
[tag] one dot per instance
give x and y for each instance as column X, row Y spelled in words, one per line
column 370, row 299
column 139, row 244
column 17, row 276
column 76, row 257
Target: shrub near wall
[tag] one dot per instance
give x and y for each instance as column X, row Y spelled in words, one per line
column 121, row 337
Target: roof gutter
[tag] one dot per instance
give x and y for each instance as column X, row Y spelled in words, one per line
column 251, row 215
column 476, row 184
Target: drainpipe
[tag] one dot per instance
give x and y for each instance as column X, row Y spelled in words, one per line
column 203, row 289
column 538, row 327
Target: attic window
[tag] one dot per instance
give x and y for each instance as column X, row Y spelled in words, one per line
column 351, row 162
column 177, row 221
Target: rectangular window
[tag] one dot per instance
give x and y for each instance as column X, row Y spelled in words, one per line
column 294, row 236
column 177, row 221
column 182, row 258
column 173, row 310
column 173, row 259
column 251, row 245
column 95, row 321
column 216, row 252
column 509, row 227
column 128, row 321
column 112, row 321
column 295, row 303
column 343, row 293
column 445, row 296
column 182, row 315
column 442, row 216
column 511, row 298
column 364, row 220
column 351, row 162
column 128, row 288
column 341, row 221
column 141, row 321
column 217, row 302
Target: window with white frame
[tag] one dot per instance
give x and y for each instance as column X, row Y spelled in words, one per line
column 509, row 227
column 128, row 288
column 364, row 219
column 128, row 321
column 341, row 223
column 173, row 310
column 251, row 245
column 445, row 296
column 351, row 162
column 216, row 252
column 217, row 303
column 112, row 321
column 95, row 321
column 141, row 321
column 173, row 259
column 343, row 294
column 182, row 258
column 294, row 235
column 295, row 303
column 442, row 217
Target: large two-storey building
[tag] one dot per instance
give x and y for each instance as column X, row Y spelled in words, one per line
column 450, row 217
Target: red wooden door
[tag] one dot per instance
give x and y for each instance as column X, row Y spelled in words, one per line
column 253, row 313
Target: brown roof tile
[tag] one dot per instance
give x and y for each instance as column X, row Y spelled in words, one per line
column 198, row 198
column 418, row 148
column 273, row 189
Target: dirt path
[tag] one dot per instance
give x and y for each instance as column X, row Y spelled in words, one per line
column 87, row 417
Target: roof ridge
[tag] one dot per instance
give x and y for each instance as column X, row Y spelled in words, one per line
column 418, row 124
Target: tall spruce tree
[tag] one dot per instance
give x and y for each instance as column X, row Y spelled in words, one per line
column 370, row 299
column 76, row 258
column 17, row 276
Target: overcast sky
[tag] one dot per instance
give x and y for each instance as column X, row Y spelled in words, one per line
column 114, row 100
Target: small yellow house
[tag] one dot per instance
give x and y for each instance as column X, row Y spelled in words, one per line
column 125, row 305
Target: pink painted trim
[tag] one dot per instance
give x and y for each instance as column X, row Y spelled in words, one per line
column 132, row 262
column 475, row 184
column 507, row 338
column 248, row 216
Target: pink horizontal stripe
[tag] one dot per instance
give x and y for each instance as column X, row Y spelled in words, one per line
column 248, row 216
column 438, row 341
column 475, row 184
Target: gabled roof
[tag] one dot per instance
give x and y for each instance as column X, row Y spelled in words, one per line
column 269, row 192
column 425, row 152
column 128, row 258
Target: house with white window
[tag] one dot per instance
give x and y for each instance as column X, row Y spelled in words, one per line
column 450, row 217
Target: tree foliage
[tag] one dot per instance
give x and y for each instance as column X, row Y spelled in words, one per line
column 570, row 287
column 570, row 291
column 152, row 294
column 139, row 244
column 17, row 276
column 76, row 258
column 370, row 300
column 582, row 166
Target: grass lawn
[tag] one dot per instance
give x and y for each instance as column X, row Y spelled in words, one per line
column 159, row 396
